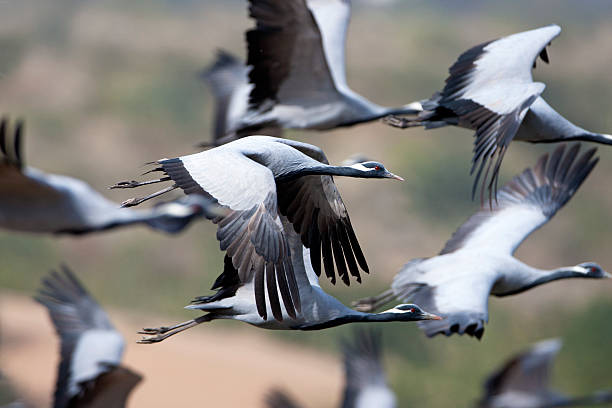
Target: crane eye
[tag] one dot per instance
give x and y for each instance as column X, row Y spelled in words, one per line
column 411, row 310
column 593, row 269
column 377, row 168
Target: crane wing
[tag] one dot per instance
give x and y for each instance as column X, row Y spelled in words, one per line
column 227, row 77
column 505, row 60
column 14, row 184
column 87, row 336
column 252, row 232
column 333, row 18
column 315, row 208
column 460, row 297
column 36, row 201
column 490, row 88
column 285, row 50
column 525, row 203
column 528, row 372
column 110, row 389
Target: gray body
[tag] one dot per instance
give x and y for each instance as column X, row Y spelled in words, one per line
column 89, row 373
column 478, row 259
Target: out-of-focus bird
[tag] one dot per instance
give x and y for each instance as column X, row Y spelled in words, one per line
column 228, row 80
column 90, row 373
column 365, row 380
column 319, row 310
column 7, row 394
column 296, row 55
column 491, row 90
column 478, row 259
column 261, row 179
column 523, row 382
column 34, row 201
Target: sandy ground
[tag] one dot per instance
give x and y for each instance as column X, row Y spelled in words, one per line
column 207, row 367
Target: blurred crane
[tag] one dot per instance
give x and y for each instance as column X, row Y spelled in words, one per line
column 34, row 201
column 298, row 78
column 478, row 259
column 523, row 382
column 90, row 372
column 228, row 80
column 365, row 379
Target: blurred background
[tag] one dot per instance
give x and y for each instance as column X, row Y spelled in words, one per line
column 107, row 85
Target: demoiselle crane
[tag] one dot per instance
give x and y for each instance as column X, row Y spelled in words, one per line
column 478, row 259
column 523, row 382
column 90, row 373
column 261, row 179
column 296, row 52
column 234, row 300
column 228, row 80
column 34, row 201
column 491, row 90
column 364, row 374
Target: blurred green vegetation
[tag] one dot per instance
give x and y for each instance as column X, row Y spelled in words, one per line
column 108, row 85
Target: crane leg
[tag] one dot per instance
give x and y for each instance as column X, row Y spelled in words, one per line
column 155, row 335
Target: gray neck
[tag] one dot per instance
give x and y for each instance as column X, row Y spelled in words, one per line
column 531, row 277
column 593, row 137
column 323, row 169
column 543, row 124
column 360, row 317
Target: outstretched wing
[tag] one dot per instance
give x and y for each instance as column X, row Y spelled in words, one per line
column 251, row 232
column 459, row 297
column 315, row 208
column 490, row 88
column 90, row 345
column 366, row 382
column 286, row 52
column 525, row 203
column 526, row 373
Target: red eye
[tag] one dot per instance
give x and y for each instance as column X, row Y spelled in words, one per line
column 593, row 269
column 377, row 168
column 411, row 310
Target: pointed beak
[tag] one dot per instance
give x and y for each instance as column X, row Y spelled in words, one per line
column 607, row 275
column 431, row 316
column 393, row 176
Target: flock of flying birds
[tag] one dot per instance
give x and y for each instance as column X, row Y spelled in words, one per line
column 282, row 222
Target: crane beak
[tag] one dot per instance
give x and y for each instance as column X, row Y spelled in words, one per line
column 431, row 316
column 393, row 176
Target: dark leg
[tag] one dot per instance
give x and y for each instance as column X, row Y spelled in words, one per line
column 400, row 122
column 155, row 335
